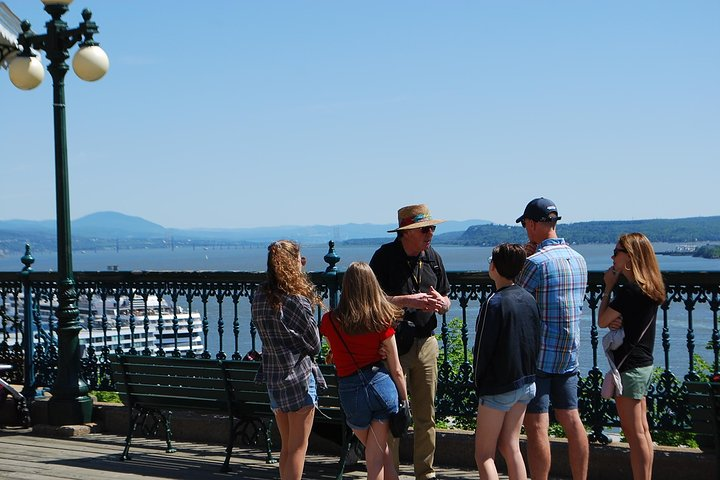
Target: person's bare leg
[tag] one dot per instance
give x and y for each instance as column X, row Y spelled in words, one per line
column 488, row 425
column 538, row 444
column 632, row 420
column 300, row 424
column 578, row 447
column 378, row 458
column 282, row 422
column 509, row 442
column 649, row 440
column 377, row 453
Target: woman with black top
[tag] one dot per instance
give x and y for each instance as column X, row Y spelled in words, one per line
column 634, row 308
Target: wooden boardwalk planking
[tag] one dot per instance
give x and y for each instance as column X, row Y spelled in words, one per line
column 31, row 457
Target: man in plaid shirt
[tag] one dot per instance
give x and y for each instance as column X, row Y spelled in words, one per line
column 557, row 276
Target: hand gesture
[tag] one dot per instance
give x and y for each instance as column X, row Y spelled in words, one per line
column 610, row 278
column 436, row 301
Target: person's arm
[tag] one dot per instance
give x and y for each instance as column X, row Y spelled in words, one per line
column 383, row 267
column 440, row 291
column 396, row 371
column 487, row 330
column 441, row 303
column 300, row 321
column 607, row 316
column 417, row 301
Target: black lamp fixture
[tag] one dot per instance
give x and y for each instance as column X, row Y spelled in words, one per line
column 70, row 403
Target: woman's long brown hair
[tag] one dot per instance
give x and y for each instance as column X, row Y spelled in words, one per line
column 285, row 275
column 363, row 306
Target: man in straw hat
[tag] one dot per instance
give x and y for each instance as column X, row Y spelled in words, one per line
column 412, row 275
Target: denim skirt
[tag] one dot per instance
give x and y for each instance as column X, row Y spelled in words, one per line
column 367, row 396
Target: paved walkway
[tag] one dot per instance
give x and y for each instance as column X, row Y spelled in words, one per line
column 96, row 456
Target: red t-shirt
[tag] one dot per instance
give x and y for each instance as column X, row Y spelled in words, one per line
column 364, row 346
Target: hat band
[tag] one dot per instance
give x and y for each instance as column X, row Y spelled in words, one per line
column 417, row 218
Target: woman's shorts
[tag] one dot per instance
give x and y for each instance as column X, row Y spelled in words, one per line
column 364, row 403
column 311, row 397
column 505, row 401
column 635, row 382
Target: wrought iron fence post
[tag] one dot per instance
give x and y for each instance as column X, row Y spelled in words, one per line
column 28, row 390
column 332, row 258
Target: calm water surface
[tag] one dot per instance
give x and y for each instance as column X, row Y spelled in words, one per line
column 254, row 259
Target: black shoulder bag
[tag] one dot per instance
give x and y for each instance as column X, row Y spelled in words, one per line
column 399, row 421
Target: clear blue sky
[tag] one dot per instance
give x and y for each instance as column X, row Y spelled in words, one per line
column 258, row 113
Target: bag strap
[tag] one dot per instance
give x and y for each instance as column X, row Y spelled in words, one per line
column 639, row 339
column 332, row 322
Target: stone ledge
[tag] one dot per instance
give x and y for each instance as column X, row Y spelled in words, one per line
column 65, row 431
column 606, row 461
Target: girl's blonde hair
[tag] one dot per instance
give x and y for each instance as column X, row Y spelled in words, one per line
column 363, row 306
column 285, row 275
column 644, row 265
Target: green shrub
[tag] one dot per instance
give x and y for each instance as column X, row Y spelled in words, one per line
column 109, row 397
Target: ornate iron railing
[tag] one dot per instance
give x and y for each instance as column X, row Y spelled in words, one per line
column 207, row 314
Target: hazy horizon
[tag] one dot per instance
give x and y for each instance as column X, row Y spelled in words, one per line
column 510, row 223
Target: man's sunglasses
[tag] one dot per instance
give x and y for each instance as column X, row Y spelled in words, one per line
column 542, row 220
column 429, row 229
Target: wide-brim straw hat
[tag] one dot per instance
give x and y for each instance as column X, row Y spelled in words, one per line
column 415, row 216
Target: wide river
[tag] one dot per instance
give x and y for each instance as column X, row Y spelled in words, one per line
column 254, row 259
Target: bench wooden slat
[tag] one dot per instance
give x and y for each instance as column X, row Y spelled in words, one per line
column 171, row 391
column 228, row 387
column 179, row 403
column 180, row 362
column 174, row 372
column 177, row 382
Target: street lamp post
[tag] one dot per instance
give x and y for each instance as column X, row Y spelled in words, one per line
column 70, row 403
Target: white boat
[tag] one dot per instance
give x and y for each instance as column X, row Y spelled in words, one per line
column 108, row 324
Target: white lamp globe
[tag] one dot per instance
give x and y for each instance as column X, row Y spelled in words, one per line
column 91, row 63
column 26, row 73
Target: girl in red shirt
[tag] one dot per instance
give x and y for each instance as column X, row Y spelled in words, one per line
column 369, row 391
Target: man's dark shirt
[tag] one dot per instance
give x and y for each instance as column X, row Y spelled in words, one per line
column 400, row 274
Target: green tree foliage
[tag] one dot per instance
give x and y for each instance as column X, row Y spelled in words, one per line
column 453, row 365
column 697, row 229
column 707, row 251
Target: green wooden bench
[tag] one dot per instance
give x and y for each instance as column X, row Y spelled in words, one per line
column 704, row 401
column 152, row 387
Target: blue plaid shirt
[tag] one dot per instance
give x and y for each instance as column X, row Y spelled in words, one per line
column 557, row 276
column 290, row 341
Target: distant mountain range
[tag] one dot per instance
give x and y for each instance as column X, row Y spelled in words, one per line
column 108, row 230
column 116, row 230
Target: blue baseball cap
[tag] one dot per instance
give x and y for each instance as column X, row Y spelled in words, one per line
column 540, row 210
